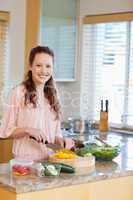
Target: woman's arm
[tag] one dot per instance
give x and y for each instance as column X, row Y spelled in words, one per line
column 18, row 133
column 10, row 112
column 8, row 127
column 22, row 132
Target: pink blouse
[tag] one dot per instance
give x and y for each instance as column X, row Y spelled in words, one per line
column 16, row 115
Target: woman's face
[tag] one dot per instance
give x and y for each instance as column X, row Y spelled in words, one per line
column 42, row 68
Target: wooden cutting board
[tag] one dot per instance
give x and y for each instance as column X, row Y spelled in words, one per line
column 82, row 165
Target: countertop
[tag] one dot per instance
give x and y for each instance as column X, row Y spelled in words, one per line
column 121, row 166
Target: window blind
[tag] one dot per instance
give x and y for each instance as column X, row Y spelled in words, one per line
column 129, row 114
column 3, row 54
column 58, row 31
column 107, row 61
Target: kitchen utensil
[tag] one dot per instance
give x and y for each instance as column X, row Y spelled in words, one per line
column 103, row 125
column 55, row 147
column 106, row 105
column 101, row 105
column 103, row 142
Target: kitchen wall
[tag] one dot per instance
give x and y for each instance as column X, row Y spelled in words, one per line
column 17, row 37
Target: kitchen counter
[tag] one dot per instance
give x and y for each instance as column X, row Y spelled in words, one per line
column 120, row 167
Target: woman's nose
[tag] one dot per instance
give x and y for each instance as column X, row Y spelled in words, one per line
column 44, row 69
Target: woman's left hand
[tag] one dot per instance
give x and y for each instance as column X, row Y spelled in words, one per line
column 69, row 143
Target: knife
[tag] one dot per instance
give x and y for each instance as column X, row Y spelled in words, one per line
column 55, row 147
column 106, row 104
column 101, row 105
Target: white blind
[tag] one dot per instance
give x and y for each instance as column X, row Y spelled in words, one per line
column 3, row 57
column 129, row 114
column 107, row 71
column 58, row 31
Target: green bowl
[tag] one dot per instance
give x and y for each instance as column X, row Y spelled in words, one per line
column 105, row 153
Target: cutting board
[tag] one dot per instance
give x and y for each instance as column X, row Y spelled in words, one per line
column 82, row 165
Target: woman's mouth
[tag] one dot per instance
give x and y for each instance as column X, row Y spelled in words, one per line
column 44, row 76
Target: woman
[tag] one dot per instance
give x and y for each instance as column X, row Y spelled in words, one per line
column 34, row 110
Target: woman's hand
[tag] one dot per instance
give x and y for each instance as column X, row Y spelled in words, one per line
column 68, row 142
column 36, row 134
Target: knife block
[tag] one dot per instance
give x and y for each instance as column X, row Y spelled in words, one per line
column 103, row 124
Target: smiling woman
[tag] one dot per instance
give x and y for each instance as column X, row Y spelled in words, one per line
column 34, row 110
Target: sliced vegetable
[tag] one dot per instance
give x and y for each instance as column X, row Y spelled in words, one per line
column 61, row 167
column 20, row 170
column 51, row 169
column 64, row 154
column 67, row 168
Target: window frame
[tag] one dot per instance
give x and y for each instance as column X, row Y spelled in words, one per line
column 106, row 18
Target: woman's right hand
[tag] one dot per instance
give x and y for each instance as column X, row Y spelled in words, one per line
column 36, row 134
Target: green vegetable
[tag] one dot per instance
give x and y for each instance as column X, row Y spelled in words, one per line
column 61, row 167
column 51, row 169
column 85, row 151
column 67, row 168
column 105, row 152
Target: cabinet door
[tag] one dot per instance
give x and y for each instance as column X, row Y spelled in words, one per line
column 5, row 150
column 58, row 31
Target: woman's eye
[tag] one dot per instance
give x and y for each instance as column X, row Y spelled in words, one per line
column 48, row 66
column 38, row 65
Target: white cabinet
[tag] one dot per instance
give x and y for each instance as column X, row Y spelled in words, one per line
column 58, row 30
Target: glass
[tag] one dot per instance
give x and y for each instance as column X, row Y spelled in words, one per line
column 71, row 125
column 91, row 129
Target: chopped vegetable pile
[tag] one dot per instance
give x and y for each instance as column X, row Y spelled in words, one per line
column 64, row 154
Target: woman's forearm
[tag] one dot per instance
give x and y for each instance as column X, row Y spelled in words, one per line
column 19, row 133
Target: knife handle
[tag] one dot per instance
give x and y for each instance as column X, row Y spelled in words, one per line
column 64, row 143
column 31, row 137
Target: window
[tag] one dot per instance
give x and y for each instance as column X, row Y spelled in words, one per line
column 107, row 63
column 58, row 31
column 4, row 16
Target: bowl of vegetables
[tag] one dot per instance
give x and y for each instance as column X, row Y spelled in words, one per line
column 101, row 153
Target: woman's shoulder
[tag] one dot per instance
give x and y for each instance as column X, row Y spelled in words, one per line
column 19, row 90
column 18, row 93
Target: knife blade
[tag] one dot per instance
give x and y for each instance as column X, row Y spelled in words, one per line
column 55, row 147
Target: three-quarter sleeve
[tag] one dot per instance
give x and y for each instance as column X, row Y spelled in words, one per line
column 10, row 111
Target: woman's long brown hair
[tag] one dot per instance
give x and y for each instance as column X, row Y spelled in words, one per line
column 50, row 92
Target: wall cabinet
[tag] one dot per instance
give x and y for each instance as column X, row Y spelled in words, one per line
column 58, row 30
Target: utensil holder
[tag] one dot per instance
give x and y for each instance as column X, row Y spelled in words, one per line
column 103, row 125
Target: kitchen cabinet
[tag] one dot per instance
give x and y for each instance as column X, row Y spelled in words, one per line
column 58, row 30
column 116, row 189
column 5, row 150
